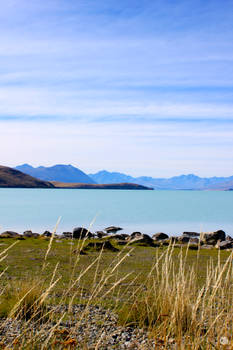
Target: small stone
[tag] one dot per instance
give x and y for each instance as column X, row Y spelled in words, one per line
column 224, row 341
column 171, row 340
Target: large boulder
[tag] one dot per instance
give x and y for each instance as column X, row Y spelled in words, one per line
column 142, row 240
column 191, row 234
column 160, row 236
column 81, row 232
column 211, row 238
column 194, row 240
column 30, row 234
column 135, row 234
column 113, row 229
column 163, row 242
column 224, row 245
column 67, row 234
column 9, row 234
column 187, row 239
column 121, row 237
column 184, row 239
column 178, row 241
column 101, row 234
column 173, row 239
column 47, row 234
column 98, row 246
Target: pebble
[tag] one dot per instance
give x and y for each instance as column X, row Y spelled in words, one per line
column 90, row 323
column 87, row 326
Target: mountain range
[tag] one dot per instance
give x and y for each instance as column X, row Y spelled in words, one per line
column 71, row 174
column 182, row 182
column 13, row 178
column 59, row 172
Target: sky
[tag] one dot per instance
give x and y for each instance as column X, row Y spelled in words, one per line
column 143, row 87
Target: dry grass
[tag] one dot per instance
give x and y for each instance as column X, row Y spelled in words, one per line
column 23, row 300
column 172, row 302
column 173, row 305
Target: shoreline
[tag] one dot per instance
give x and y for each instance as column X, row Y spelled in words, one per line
column 194, row 240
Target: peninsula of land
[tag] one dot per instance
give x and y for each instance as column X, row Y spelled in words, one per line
column 112, row 186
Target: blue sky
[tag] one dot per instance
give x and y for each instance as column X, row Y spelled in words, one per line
column 142, row 87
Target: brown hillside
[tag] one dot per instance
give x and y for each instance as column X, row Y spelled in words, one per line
column 13, row 178
column 118, row 186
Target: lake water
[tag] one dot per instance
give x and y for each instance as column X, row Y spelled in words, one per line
column 171, row 212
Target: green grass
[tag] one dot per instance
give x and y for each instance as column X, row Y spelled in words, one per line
column 26, row 259
column 172, row 292
column 21, row 299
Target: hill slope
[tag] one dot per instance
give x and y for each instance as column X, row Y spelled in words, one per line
column 112, row 186
column 13, row 178
column 59, row 172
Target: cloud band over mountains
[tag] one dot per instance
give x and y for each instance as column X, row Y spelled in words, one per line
column 130, row 85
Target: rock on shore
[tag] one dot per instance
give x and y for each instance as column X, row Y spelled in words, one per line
column 205, row 240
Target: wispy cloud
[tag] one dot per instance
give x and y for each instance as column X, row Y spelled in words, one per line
column 155, row 149
column 97, row 105
column 159, row 73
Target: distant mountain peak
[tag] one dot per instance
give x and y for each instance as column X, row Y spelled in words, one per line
column 181, row 182
column 57, row 172
column 186, row 176
column 192, row 176
column 25, row 165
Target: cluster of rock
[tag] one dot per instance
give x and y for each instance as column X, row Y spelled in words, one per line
column 208, row 240
column 26, row 234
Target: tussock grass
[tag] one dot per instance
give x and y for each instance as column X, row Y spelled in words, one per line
column 178, row 296
column 22, row 300
column 173, row 304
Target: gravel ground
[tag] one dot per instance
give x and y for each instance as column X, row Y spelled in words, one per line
column 86, row 327
column 89, row 327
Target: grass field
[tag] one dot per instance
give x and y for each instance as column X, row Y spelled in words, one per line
column 179, row 296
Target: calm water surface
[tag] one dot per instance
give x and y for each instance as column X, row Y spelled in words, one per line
column 147, row 211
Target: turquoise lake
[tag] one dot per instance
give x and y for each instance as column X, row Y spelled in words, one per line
column 171, row 212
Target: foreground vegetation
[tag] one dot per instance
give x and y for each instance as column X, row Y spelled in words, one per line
column 183, row 298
